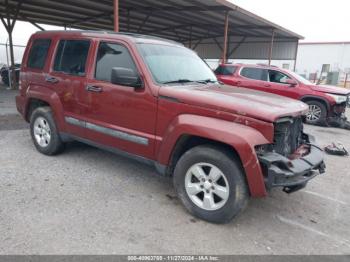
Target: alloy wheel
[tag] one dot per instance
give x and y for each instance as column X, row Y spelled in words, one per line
column 42, row 131
column 207, row 186
column 314, row 113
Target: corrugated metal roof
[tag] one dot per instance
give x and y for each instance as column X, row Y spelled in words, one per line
column 179, row 20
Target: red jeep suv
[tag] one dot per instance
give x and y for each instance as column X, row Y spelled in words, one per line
column 156, row 101
column 327, row 104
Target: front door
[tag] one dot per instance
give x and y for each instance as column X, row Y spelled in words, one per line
column 120, row 116
column 279, row 85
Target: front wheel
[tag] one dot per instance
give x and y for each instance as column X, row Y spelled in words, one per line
column 210, row 183
column 317, row 113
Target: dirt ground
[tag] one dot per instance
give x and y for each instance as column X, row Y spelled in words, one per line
column 87, row 201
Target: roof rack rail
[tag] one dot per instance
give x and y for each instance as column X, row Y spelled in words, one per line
column 104, row 32
column 262, row 64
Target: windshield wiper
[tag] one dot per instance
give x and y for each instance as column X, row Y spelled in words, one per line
column 180, row 81
column 206, row 81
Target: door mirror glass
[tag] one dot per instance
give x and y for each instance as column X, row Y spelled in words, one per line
column 125, row 77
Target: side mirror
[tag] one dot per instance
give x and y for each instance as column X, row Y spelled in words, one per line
column 125, row 77
column 291, row 82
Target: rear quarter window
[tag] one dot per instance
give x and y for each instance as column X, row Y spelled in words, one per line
column 225, row 70
column 38, row 53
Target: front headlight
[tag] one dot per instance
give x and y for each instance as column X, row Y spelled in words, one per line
column 338, row 99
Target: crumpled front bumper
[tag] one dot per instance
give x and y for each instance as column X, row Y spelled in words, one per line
column 292, row 175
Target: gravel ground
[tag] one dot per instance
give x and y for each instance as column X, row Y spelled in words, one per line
column 87, row 201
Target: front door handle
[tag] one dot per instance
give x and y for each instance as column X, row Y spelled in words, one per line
column 92, row 88
column 51, row 79
column 267, row 85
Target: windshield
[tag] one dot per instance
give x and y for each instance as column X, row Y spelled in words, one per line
column 175, row 64
column 300, row 78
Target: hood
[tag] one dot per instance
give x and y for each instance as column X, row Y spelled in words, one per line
column 255, row 104
column 330, row 89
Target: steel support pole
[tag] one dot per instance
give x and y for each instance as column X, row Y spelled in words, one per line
column 9, row 26
column 116, row 15
column 12, row 57
column 8, row 66
column 190, row 41
column 296, row 55
column 346, row 80
column 271, row 46
column 224, row 51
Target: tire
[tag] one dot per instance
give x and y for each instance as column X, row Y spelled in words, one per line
column 347, row 125
column 211, row 158
column 44, row 132
column 6, row 81
column 319, row 115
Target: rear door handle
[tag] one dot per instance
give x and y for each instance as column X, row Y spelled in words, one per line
column 267, row 85
column 51, row 79
column 92, row 88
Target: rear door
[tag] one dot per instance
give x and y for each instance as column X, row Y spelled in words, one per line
column 254, row 78
column 68, row 78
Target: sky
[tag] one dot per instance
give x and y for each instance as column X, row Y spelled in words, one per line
column 316, row 20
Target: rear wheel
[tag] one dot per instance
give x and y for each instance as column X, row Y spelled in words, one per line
column 44, row 132
column 211, row 184
column 317, row 113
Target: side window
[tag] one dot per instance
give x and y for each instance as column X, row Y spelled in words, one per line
column 225, row 70
column 277, row 77
column 38, row 53
column 71, row 57
column 112, row 55
column 254, row 73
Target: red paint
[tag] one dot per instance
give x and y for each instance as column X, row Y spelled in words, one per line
column 299, row 91
column 238, row 117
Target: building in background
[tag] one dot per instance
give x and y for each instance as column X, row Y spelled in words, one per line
column 324, row 59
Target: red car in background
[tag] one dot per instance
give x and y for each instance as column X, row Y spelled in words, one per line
column 327, row 104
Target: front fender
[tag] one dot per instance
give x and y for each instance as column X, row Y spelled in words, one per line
column 240, row 137
column 47, row 95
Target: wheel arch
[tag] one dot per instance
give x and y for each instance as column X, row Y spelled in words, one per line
column 42, row 96
column 34, row 103
column 188, row 131
column 186, row 142
column 318, row 99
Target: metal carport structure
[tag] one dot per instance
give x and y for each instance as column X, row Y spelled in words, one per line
column 214, row 28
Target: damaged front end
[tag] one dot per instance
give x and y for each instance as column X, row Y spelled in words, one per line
column 292, row 160
column 338, row 118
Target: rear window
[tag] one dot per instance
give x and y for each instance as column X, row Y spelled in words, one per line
column 38, row 53
column 71, row 56
column 254, row 73
column 225, row 70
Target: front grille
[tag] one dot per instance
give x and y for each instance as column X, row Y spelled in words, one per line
column 288, row 135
